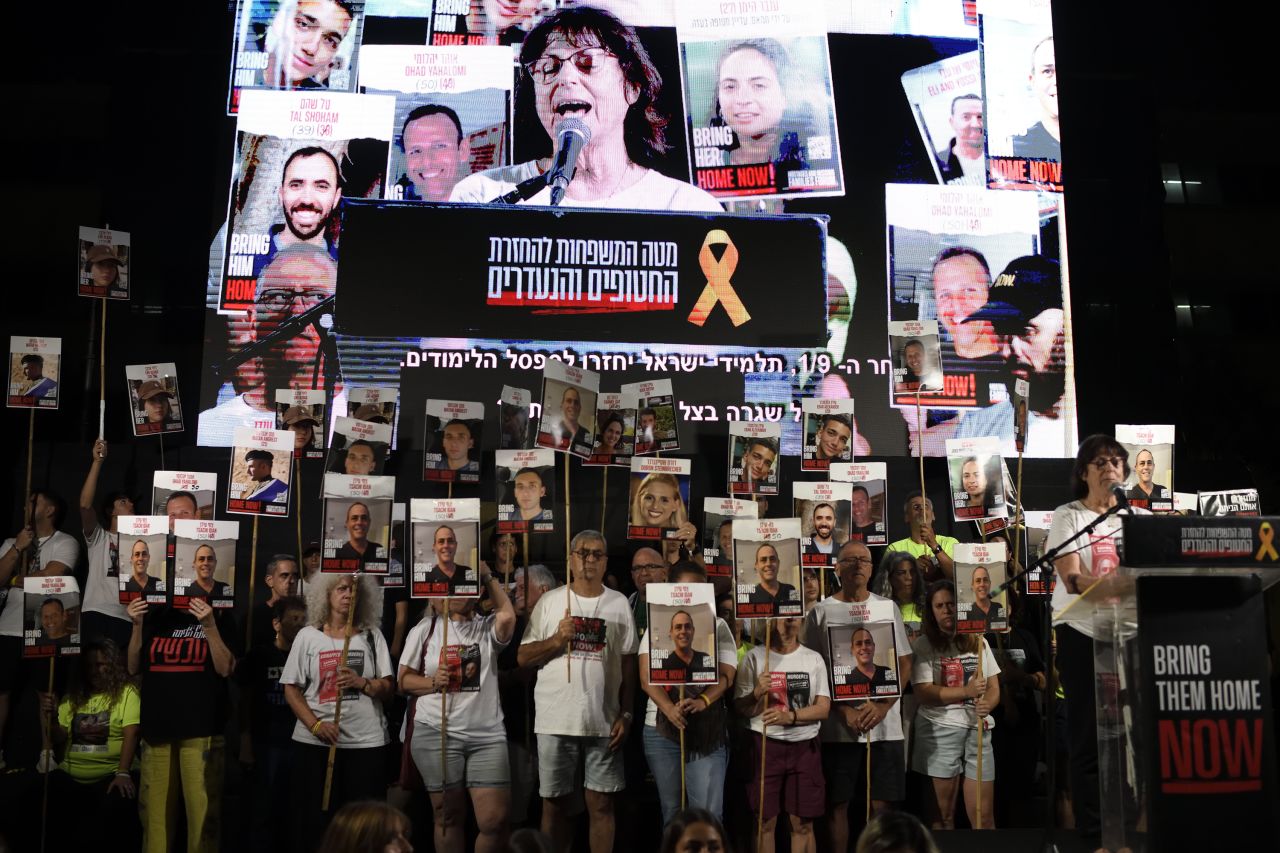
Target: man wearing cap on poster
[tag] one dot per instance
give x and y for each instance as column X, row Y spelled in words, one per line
column 103, row 266
column 436, row 154
column 370, row 413
column 360, row 459
column 300, row 421
column 529, row 490
column 140, row 580
column 1025, row 309
column 445, row 547
column 155, row 401
column 456, row 443
column 823, row 540
column 53, row 623
column 358, row 548
column 263, row 487
column 1044, row 138
column 961, row 161
column 204, row 562
column 33, row 371
column 769, row 590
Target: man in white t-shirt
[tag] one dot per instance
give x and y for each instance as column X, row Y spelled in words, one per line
column 102, row 614
column 785, row 702
column 55, row 553
column 583, row 704
column 844, row 733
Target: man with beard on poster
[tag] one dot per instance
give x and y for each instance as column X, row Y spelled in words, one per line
column 1025, row 309
column 961, row 162
column 299, row 277
column 310, row 191
column 823, row 540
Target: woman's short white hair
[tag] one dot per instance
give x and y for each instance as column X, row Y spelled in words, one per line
column 368, row 614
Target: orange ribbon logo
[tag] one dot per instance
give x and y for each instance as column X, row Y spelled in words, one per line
column 719, row 288
column 1266, row 533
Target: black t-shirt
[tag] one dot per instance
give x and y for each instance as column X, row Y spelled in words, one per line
column 185, row 696
column 270, row 718
column 515, row 686
column 261, row 629
column 392, row 595
column 1018, row 648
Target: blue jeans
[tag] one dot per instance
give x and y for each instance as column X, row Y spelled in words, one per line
column 703, row 778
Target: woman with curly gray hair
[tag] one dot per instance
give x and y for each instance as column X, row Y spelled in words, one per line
column 314, row 677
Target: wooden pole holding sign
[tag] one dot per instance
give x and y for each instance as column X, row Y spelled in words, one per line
column 920, row 445
column 982, row 728
column 297, row 484
column 764, row 740
column 337, row 708
column 568, row 572
column 253, row 578
column 684, row 794
column 102, row 372
column 444, row 709
column 604, row 495
column 868, row 774
column 46, row 746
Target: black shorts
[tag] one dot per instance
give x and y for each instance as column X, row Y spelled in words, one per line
column 845, row 766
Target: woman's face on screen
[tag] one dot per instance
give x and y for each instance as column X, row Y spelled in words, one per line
column 751, row 98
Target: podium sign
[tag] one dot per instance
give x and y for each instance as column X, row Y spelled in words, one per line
column 1205, row 712
column 1172, row 542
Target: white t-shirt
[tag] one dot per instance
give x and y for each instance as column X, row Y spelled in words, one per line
column 726, row 655
column 313, row 668
column 588, row 704
column 951, row 668
column 799, row 679
column 654, row 191
column 56, row 547
column 475, row 714
column 834, row 612
column 1099, row 554
column 102, row 592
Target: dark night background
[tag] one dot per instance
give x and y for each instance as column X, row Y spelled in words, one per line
column 118, row 118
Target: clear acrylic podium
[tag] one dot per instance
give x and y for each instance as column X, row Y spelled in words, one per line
column 1186, row 746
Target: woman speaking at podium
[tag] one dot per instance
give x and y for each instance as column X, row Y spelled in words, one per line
column 581, row 63
column 1101, row 465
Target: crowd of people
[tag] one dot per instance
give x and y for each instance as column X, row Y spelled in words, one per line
column 532, row 706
